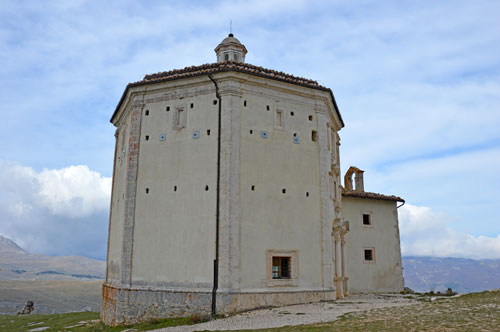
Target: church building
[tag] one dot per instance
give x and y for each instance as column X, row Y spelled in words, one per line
column 227, row 196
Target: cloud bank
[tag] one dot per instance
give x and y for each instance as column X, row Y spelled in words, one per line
column 56, row 212
column 425, row 232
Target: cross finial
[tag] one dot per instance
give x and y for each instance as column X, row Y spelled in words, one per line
column 231, row 27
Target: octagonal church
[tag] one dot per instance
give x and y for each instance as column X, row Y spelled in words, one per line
column 227, row 196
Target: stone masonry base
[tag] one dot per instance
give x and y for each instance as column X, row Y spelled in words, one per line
column 129, row 305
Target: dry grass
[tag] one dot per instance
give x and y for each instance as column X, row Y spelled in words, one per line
column 472, row 312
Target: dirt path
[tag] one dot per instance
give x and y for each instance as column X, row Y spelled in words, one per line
column 296, row 314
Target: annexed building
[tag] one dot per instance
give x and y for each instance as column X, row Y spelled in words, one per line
column 373, row 251
column 227, row 195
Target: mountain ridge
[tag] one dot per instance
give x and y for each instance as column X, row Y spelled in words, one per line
column 18, row 264
column 463, row 275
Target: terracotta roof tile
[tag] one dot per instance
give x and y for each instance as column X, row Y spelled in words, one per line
column 364, row 194
column 226, row 66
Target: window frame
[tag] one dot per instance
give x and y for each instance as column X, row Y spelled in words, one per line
column 280, row 125
column 180, row 117
column 292, row 254
column 372, row 249
column 369, row 213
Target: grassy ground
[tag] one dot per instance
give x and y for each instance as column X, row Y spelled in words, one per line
column 472, row 312
column 78, row 322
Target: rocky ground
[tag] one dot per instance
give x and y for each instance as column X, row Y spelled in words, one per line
column 50, row 296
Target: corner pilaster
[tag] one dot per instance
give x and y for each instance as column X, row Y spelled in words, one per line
column 135, row 119
column 326, row 202
column 229, row 246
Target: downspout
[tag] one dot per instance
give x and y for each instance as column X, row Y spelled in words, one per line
column 401, row 205
column 217, row 203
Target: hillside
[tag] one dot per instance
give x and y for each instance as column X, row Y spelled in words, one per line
column 423, row 274
column 18, row 264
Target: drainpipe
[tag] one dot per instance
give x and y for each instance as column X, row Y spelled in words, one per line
column 401, row 205
column 217, row 200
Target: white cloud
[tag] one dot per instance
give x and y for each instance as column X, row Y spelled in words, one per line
column 425, row 232
column 75, row 191
column 60, row 212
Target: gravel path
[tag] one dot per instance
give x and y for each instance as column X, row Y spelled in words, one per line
column 296, row 314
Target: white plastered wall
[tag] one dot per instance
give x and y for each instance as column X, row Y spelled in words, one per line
column 174, row 232
column 385, row 273
column 269, row 218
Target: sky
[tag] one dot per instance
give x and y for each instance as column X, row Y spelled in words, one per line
column 417, row 83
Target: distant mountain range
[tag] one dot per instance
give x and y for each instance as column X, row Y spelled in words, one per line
column 18, row 264
column 424, row 274
column 421, row 274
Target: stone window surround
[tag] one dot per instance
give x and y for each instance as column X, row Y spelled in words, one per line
column 294, row 267
column 179, row 123
column 373, row 255
column 370, row 213
column 276, row 119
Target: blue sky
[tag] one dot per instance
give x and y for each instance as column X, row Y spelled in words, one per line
column 417, row 83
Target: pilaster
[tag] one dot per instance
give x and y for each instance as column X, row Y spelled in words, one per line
column 134, row 119
column 326, row 203
column 229, row 254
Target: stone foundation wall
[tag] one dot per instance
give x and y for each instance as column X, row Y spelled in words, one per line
column 129, row 306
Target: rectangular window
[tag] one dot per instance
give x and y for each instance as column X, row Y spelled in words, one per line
column 281, row 268
column 369, row 255
column 367, row 219
column 314, row 136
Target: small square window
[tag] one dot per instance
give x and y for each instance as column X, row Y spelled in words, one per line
column 192, row 105
column 168, row 109
column 310, row 117
column 226, row 57
column 369, row 255
column 146, row 113
column 292, row 113
column 147, row 137
column 367, row 219
column 281, row 268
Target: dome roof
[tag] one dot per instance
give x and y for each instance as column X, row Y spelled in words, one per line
column 230, row 42
column 230, row 39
